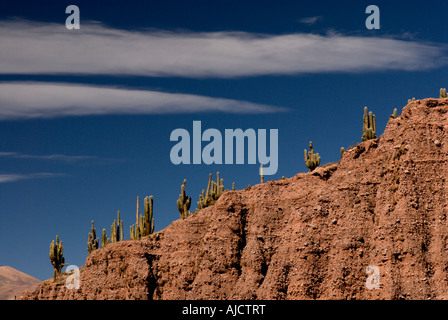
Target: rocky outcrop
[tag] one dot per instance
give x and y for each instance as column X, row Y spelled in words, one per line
column 311, row 236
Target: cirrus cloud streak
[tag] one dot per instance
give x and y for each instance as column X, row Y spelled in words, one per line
column 27, row 100
column 47, row 48
column 12, row 177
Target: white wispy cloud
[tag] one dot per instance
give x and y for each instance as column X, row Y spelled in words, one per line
column 55, row 157
column 46, row 48
column 25, row 100
column 5, row 178
column 310, row 20
column 69, row 159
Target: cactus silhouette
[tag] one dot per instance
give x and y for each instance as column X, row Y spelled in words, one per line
column 104, row 239
column 368, row 126
column 312, row 160
column 93, row 241
column 148, row 221
column 144, row 224
column 116, row 230
column 214, row 191
column 184, row 202
column 394, row 114
column 57, row 257
column 135, row 228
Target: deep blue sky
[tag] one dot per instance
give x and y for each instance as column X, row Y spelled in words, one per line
column 128, row 155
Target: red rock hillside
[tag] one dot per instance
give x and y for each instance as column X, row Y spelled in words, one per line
column 311, row 236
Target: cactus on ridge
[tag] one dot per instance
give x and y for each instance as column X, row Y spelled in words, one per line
column 104, row 239
column 312, row 160
column 57, row 257
column 184, row 202
column 144, row 224
column 394, row 114
column 214, row 191
column 93, row 241
column 116, row 230
column 368, row 126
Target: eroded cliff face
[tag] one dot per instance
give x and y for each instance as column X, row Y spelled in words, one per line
column 308, row 237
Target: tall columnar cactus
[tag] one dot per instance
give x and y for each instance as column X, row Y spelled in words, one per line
column 202, row 203
column 144, row 224
column 217, row 189
column 133, row 232
column 368, row 126
column 443, row 93
column 57, row 257
column 135, row 229
column 104, row 239
column 394, row 114
column 214, row 191
column 312, row 160
column 113, row 232
column 148, row 226
column 93, row 241
column 116, row 230
column 261, row 174
column 342, row 152
column 184, row 202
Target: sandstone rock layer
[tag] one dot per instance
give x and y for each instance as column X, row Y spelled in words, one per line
column 311, row 236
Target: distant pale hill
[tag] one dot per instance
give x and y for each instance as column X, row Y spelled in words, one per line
column 14, row 282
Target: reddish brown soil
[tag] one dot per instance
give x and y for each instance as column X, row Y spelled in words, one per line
column 308, row 237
